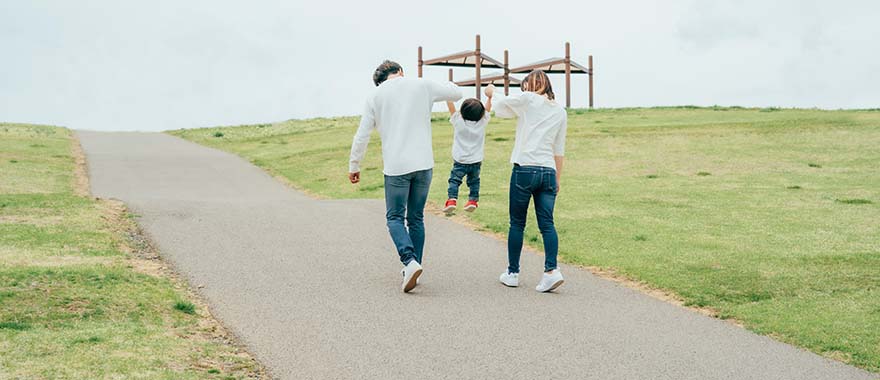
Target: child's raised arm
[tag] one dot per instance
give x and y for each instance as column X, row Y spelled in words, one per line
column 490, row 90
column 451, row 107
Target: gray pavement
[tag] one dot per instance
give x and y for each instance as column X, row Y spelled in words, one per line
column 312, row 287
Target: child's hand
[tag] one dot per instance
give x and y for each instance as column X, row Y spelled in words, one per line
column 490, row 90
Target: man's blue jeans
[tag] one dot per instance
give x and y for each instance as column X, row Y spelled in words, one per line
column 405, row 197
column 459, row 171
column 528, row 182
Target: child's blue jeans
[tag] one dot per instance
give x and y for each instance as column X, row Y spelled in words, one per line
column 459, row 171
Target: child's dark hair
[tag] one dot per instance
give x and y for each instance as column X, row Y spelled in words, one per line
column 384, row 70
column 472, row 109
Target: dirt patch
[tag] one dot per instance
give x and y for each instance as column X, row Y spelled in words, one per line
column 130, row 239
column 27, row 259
column 80, row 170
column 39, row 221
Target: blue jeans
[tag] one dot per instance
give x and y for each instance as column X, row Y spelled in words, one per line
column 405, row 197
column 528, row 182
column 459, row 171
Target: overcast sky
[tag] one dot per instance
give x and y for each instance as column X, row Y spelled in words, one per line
column 157, row 64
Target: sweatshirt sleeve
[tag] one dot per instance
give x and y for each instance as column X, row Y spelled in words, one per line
column 443, row 92
column 361, row 138
column 559, row 142
column 507, row 107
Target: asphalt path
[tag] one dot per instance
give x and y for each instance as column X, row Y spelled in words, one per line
column 312, row 287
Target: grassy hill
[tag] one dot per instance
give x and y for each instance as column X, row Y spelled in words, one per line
column 768, row 216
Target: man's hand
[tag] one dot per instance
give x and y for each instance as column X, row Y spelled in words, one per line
column 354, row 177
column 490, row 90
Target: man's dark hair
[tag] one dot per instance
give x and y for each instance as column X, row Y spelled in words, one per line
column 384, row 70
column 472, row 109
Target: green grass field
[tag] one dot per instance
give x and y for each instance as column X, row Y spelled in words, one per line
column 73, row 304
column 768, row 216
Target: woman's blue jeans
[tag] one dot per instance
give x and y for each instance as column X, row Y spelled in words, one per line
column 527, row 182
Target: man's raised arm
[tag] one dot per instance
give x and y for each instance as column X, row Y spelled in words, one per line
column 446, row 91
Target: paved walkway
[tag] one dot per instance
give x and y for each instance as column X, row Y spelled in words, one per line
column 313, row 287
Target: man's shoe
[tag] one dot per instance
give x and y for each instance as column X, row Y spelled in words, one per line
column 403, row 274
column 550, row 281
column 451, row 203
column 411, row 273
column 510, row 279
column 470, row 206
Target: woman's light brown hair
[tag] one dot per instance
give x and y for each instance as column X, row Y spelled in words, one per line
column 538, row 82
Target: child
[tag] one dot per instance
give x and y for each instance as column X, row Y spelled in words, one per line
column 537, row 160
column 469, row 133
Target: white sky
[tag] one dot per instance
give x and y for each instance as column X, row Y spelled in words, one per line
column 160, row 64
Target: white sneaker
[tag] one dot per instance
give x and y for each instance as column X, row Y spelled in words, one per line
column 403, row 274
column 510, row 279
column 550, row 281
column 411, row 273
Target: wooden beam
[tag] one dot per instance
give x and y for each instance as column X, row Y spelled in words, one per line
column 528, row 68
column 506, row 74
column 477, row 65
column 465, row 55
column 420, row 62
column 590, row 67
column 567, row 75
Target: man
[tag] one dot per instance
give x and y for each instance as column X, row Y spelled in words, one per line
column 400, row 109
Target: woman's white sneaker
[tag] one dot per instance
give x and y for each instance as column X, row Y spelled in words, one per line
column 550, row 281
column 411, row 273
column 510, row 279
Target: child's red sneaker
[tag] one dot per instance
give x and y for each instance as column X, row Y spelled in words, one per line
column 470, row 206
column 450, row 206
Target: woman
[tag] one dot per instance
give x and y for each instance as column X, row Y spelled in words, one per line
column 537, row 160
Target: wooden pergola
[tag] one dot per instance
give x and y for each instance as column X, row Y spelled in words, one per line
column 470, row 58
column 565, row 66
column 478, row 60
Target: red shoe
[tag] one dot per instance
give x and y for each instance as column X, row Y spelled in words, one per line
column 450, row 206
column 470, row 206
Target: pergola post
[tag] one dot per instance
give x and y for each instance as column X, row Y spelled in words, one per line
column 590, row 69
column 567, row 75
column 420, row 62
column 478, row 83
column 506, row 75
